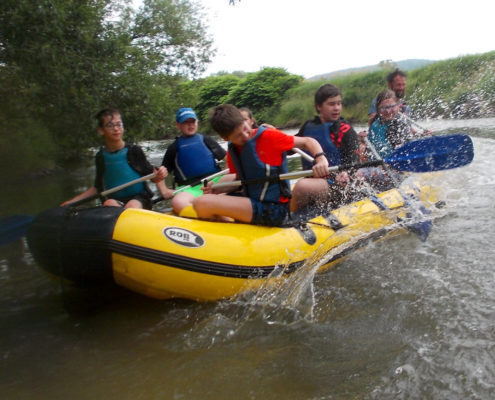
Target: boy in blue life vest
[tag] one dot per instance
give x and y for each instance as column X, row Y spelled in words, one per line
column 118, row 163
column 254, row 154
column 340, row 144
column 191, row 156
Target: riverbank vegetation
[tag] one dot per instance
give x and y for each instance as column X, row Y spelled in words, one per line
column 63, row 60
column 462, row 87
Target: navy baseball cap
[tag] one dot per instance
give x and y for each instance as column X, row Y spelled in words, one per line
column 184, row 114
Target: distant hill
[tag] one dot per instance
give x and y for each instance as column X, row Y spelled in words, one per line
column 405, row 65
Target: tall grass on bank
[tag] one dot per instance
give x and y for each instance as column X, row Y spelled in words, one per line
column 462, row 87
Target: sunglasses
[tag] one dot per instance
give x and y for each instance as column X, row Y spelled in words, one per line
column 386, row 108
column 116, row 125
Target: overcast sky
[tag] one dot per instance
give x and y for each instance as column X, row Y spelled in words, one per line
column 312, row 37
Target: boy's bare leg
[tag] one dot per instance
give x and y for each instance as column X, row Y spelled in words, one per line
column 216, row 206
column 182, row 200
column 133, row 204
column 307, row 189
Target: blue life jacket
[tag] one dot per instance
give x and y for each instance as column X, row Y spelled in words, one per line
column 321, row 132
column 118, row 171
column 378, row 138
column 194, row 159
column 249, row 166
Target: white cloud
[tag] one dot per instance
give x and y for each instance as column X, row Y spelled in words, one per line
column 312, row 37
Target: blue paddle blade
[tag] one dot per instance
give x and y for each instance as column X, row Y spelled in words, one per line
column 433, row 153
column 423, row 228
column 14, row 227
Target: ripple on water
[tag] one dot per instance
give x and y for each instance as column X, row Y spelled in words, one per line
column 398, row 319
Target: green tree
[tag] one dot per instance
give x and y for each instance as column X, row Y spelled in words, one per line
column 62, row 60
column 215, row 90
column 263, row 91
column 171, row 36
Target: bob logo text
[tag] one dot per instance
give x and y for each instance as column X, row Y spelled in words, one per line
column 183, row 237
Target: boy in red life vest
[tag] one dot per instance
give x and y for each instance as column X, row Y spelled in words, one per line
column 340, row 145
column 254, row 153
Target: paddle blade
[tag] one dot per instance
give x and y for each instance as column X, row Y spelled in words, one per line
column 13, row 227
column 434, row 153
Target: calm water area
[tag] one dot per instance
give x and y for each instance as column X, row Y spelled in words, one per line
column 397, row 319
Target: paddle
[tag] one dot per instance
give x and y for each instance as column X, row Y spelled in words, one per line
column 112, row 190
column 223, row 172
column 427, row 154
column 202, row 181
column 303, row 154
column 15, row 226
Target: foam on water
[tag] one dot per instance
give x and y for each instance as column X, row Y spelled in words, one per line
column 397, row 319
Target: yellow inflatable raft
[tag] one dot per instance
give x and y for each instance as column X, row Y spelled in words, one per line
column 166, row 256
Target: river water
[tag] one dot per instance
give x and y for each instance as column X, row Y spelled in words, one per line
column 398, row 319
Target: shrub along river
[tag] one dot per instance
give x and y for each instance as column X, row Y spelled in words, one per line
column 398, row 319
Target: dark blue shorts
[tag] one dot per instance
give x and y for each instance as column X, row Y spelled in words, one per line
column 143, row 198
column 269, row 214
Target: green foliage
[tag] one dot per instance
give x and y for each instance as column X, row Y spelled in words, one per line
column 66, row 59
column 297, row 105
column 293, row 112
column 457, row 88
column 25, row 147
column 171, row 36
column 462, row 87
column 214, row 90
column 357, row 91
column 63, row 60
column 262, row 91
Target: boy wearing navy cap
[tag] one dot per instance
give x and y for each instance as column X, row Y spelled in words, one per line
column 192, row 156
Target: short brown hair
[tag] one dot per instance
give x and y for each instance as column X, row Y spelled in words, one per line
column 106, row 112
column 324, row 92
column 394, row 73
column 384, row 95
column 225, row 118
